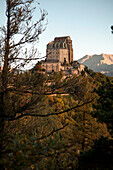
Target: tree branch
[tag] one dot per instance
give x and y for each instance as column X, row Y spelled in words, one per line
column 26, row 59
column 47, row 115
column 52, row 132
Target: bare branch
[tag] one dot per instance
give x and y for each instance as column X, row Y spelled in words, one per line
column 26, row 59
column 47, row 115
column 54, row 131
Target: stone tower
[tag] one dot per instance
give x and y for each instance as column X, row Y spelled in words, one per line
column 60, row 50
column 59, row 53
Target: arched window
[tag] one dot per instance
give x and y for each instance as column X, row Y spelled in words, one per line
column 53, row 45
column 61, row 45
column 56, row 45
column 64, row 45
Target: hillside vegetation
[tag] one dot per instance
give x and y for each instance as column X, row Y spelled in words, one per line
column 46, row 121
column 59, row 131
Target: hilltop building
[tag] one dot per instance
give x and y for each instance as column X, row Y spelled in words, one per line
column 59, row 56
column 60, row 50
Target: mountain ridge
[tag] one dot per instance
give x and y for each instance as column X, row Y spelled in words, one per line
column 99, row 63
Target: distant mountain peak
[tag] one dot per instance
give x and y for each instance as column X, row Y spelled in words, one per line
column 99, row 63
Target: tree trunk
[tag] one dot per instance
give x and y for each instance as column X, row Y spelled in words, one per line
column 4, row 82
column 83, row 130
column 1, row 127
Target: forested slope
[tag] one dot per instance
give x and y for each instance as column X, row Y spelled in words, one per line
column 58, row 128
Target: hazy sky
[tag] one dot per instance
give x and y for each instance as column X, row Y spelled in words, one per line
column 87, row 22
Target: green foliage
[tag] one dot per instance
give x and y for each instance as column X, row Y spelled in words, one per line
column 104, row 106
column 27, row 144
column 98, row 78
column 100, row 156
column 61, row 149
column 89, row 71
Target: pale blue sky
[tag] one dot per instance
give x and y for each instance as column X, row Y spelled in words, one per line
column 87, row 22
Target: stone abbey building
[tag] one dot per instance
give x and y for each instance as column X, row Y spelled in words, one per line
column 58, row 53
column 59, row 56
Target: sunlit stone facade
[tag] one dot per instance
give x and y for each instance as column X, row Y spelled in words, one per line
column 59, row 52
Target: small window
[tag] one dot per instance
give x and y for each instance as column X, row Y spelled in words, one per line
column 61, row 45
column 57, row 45
column 64, row 60
column 64, row 45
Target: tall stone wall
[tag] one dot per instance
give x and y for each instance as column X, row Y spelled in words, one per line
column 60, row 50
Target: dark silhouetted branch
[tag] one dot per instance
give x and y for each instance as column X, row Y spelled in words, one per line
column 47, row 115
column 26, row 59
column 54, row 131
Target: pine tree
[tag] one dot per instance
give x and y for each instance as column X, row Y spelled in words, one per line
column 18, row 32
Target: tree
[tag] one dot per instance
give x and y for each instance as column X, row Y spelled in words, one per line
column 83, row 123
column 100, row 156
column 19, row 31
column 112, row 28
column 104, row 107
column 21, row 92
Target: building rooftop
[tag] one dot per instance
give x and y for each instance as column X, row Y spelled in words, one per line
column 61, row 38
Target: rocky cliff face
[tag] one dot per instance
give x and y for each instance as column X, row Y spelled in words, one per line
column 99, row 63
